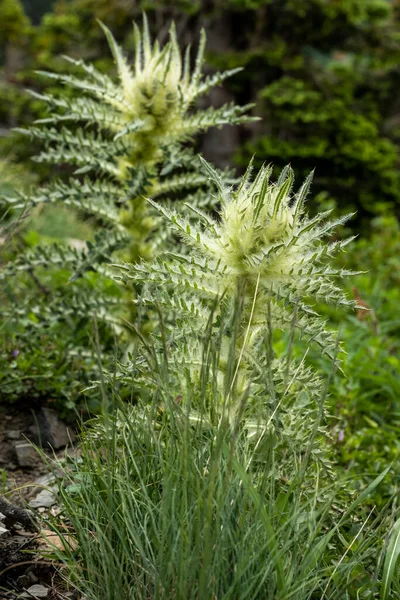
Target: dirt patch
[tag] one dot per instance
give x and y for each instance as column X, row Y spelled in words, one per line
column 16, row 481
column 23, row 566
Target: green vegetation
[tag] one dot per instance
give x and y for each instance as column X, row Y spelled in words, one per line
column 123, row 140
column 241, row 355
column 323, row 74
column 366, row 400
column 162, row 506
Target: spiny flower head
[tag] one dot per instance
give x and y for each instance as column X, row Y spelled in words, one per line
column 151, row 105
column 256, row 220
column 154, row 87
column 264, row 244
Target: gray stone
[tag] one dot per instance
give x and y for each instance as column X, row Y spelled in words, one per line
column 45, row 480
column 32, row 577
column 27, row 579
column 26, row 454
column 2, row 517
column 14, row 434
column 36, row 591
column 4, row 532
column 50, row 431
column 22, row 540
column 45, row 499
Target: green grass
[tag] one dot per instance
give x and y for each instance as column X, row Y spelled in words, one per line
column 162, row 505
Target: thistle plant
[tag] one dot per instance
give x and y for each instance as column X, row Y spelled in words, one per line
column 263, row 260
column 124, row 139
column 120, row 140
column 128, row 134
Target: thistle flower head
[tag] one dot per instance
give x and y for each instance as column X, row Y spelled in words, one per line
column 154, row 86
column 256, row 220
column 264, row 242
column 151, row 105
column 157, row 90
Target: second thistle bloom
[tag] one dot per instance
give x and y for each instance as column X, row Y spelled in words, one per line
column 263, row 240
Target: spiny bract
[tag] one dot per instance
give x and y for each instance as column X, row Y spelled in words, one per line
column 263, row 244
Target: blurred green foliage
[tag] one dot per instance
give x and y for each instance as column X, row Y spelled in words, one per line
column 327, row 74
column 44, row 362
column 49, row 349
column 365, row 398
column 14, row 24
column 368, row 399
column 35, row 9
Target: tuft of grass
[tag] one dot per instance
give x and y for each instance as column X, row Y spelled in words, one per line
column 161, row 505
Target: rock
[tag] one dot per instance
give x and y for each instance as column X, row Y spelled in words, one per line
column 36, row 591
column 22, row 540
column 50, row 431
column 26, row 454
column 13, row 434
column 45, row 499
column 51, row 539
column 22, row 533
column 32, row 577
column 4, row 532
column 2, row 517
column 45, row 480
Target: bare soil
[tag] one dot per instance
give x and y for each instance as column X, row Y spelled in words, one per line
column 22, row 553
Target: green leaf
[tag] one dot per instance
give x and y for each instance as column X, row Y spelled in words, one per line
column 391, row 561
